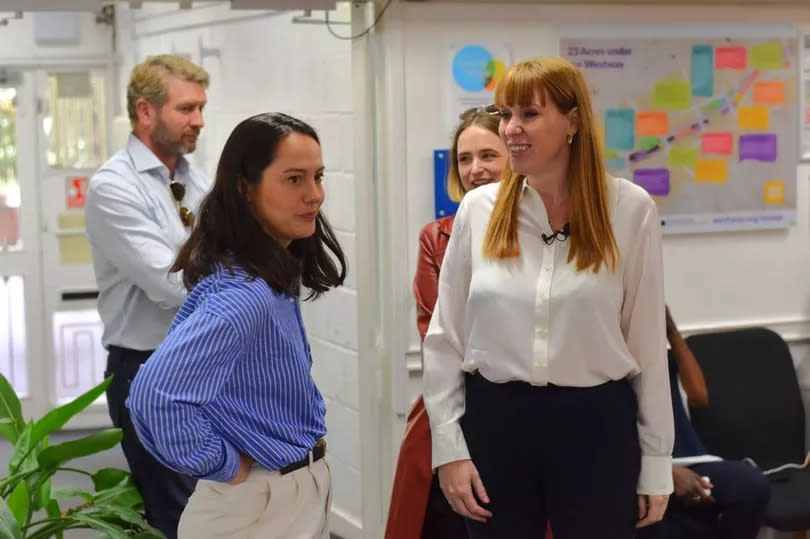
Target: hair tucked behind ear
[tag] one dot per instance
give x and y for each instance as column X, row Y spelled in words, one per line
column 592, row 241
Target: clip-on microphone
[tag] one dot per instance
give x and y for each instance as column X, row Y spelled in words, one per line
column 558, row 235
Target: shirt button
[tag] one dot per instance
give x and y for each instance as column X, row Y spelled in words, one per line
column 547, row 268
column 292, row 300
column 542, row 297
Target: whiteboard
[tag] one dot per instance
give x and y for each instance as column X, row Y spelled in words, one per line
column 706, row 124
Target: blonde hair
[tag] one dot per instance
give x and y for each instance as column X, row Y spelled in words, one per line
column 592, row 239
column 150, row 80
column 479, row 117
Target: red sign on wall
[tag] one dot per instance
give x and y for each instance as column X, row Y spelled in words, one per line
column 75, row 192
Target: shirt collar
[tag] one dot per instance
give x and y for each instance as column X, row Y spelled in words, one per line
column 144, row 159
column 612, row 193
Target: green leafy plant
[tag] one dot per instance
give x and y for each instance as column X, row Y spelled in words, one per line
column 31, row 509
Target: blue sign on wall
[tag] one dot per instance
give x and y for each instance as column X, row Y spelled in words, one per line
column 441, row 164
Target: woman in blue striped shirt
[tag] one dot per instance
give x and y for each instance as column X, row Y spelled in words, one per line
column 228, row 397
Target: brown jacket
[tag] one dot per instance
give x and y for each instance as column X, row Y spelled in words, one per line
column 409, row 496
column 432, row 244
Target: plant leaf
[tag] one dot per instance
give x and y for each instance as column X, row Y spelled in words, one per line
column 125, row 495
column 22, row 459
column 9, row 529
column 54, row 511
column 64, row 493
column 108, row 478
column 53, row 456
column 125, row 514
column 8, row 429
column 112, row 530
column 10, row 408
column 53, row 529
column 19, row 502
column 44, row 491
column 58, row 417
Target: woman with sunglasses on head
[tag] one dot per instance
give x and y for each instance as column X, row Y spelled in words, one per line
column 228, row 397
column 418, row 508
column 545, row 361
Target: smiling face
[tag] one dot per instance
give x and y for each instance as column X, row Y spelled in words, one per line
column 536, row 134
column 287, row 199
column 481, row 157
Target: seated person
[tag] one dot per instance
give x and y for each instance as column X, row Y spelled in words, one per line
column 731, row 504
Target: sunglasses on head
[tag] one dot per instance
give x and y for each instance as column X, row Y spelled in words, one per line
column 490, row 109
column 178, row 192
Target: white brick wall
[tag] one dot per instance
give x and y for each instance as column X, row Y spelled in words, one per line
column 265, row 63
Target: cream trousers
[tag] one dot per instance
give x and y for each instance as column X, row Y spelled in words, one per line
column 267, row 505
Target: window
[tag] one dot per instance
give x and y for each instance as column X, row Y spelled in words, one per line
column 12, row 334
column 9, row 185
column 75, row 122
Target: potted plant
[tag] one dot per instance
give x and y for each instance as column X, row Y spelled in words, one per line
column 31, row 509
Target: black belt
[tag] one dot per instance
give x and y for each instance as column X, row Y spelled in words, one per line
column 317, row 453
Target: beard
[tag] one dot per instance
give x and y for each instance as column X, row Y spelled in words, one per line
column 169, row 143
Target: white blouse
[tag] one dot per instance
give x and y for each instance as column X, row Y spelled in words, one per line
column 534, row 318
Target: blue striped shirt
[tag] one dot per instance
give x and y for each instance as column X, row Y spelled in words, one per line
column 233, row 375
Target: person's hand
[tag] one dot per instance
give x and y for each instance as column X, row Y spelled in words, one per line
column 690, row 485
column 651, row 508
column 457, row 480
column 244, row 468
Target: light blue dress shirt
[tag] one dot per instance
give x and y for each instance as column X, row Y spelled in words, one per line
column 134, row 228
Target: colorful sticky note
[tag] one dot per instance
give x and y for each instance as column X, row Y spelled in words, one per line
column 711, row 170
column 756, row 117
column 648, row 143
column 717, row 143
column 617, row 164
column 730, row 57
column 672, row 95
column 767, row 56
column 620, row 128
column 759, row 147
column 654, row 180
column 702, row 70
column 685, row 156
column 611, row 153
column 769, row 93
column 654, row 124
column 774, row 192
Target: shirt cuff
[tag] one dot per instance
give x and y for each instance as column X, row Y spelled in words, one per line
column 229, row 467
column 656, row 476
column 448, row 444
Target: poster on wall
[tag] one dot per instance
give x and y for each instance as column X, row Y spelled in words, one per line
column 706, row 126
column 473, row 71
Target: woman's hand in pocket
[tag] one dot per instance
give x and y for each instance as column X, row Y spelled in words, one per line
column 245, row 463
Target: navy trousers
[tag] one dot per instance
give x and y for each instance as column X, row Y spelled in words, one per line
column 564, row 454
column 164, row 491
column 741, row 493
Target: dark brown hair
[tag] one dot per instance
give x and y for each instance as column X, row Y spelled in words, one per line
column 228, row 233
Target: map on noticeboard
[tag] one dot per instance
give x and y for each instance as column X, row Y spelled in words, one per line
column 707, row 126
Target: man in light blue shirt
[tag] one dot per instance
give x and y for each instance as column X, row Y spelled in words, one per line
column 140, row 208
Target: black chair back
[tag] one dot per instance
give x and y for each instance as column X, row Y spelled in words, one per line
column 755, row 406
